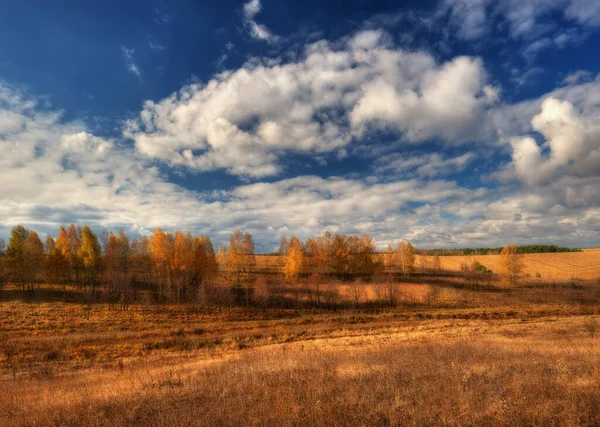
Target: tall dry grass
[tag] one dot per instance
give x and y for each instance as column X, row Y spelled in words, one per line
column 542, row 373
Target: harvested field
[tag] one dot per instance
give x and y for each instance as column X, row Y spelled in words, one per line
column 551, row 266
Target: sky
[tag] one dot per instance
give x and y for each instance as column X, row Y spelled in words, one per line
column 449, row 123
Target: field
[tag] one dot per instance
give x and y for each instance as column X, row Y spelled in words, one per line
column 450, row 351
column 550, row 266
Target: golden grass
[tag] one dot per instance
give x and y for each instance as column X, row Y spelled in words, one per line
column 432, row 372
column 470, row 355
column 551, row 266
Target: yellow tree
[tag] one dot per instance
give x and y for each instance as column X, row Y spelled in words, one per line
column 240, row 255
column 141, row 263
column 160, row 254
column 182, row 261
column 365, row 255
column 294, row 259
column 34, row 258
column 16, row 258
column 204, row 267
column 117, row 265
column 405, row 258
column 340, row 255
column 89, row 253
column 63, row 246
column 511, row 264
column 55, row 263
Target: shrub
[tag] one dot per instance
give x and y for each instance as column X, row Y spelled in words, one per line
column 479, row 268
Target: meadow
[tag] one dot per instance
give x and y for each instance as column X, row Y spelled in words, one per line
column 451, row 351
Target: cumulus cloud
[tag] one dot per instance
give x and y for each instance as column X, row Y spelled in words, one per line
column 447, row 101
column 572, row 143
column 55, row 172
column 245, row 120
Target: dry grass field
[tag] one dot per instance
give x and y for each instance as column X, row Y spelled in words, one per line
column 551, row 266
column 560, row 267
column 449, row 353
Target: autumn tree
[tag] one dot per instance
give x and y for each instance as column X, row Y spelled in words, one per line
column 182, row 261
column 160, row 254
column 68, row 242
column 34, row 258
column 117, row 267
column 141, row 262
column 16, row 258
column 511, row 264
column 340, row 255
column 294, row 259
column 283, row 246
column 364, row 258
column 204, row 266
column 90, row 255
column 240, row 256
column 55, row 264
column 405, row 258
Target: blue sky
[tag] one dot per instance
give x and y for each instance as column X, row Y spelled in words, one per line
column 446, row 123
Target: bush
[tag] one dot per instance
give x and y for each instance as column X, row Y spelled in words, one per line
column 538, row 275
column 480, row 268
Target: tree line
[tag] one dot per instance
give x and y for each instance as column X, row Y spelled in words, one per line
column 526, row 249
column 178, row 266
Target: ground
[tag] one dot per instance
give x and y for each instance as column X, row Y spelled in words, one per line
column 451, row 352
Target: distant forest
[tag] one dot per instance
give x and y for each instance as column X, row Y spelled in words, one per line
column 527, row 249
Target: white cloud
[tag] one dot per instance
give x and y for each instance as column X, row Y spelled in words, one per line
column 572, row 140
column 579, row 76
column 423, row 165
column 245, row 120
column 447, row 101
column 252, row 8
column 256, row 30
column 129, row 64
column 534, row 22
column 55, row 172
column 525, row 18
column 586, row 12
